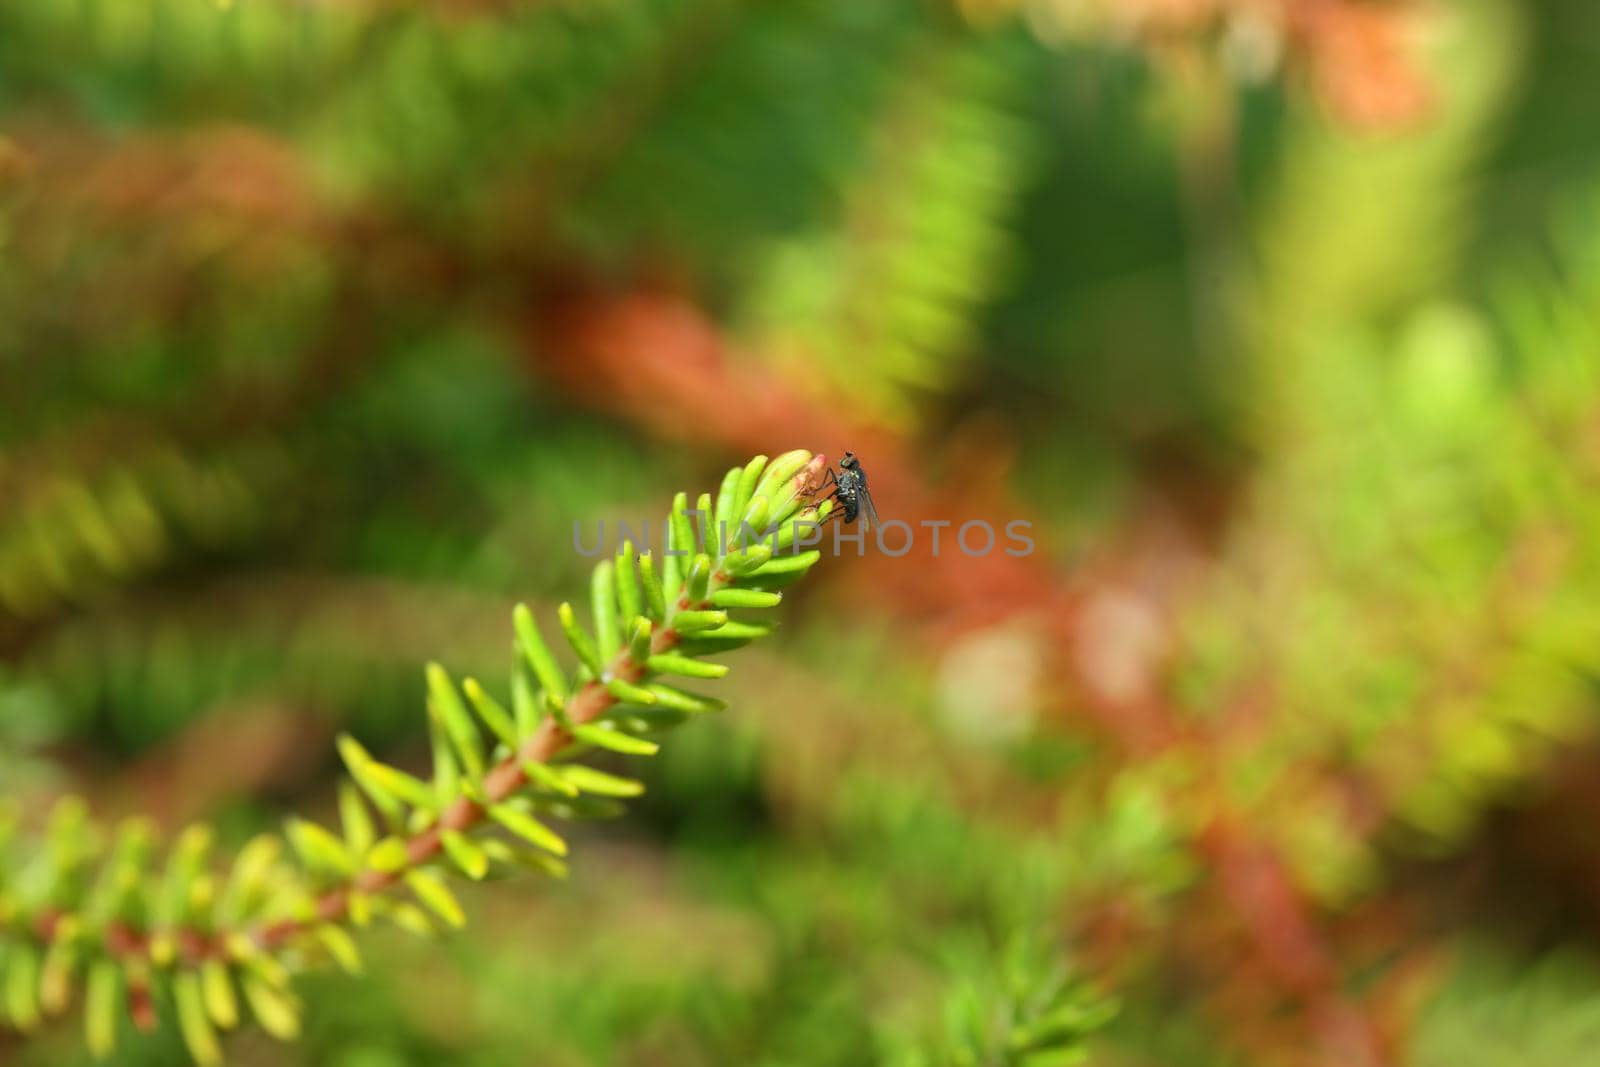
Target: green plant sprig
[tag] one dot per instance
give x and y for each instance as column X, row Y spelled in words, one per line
column 91, row 909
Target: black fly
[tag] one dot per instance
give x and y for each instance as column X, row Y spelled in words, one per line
column 850, row 490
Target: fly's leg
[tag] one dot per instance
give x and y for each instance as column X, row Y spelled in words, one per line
column 828, row 478
column 836, row 513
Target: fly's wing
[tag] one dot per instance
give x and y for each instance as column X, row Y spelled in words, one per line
column 869, row 514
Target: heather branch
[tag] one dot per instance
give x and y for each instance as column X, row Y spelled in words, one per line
column 106, row 919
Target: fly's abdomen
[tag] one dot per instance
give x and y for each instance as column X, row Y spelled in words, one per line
column 850, row 494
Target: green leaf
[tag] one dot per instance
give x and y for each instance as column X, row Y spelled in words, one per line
column 753, row 524
column 184, row 864
column 276, row 1011
column 639, row 640
column 790, row 531
column 580, row 640
column 723, row 521
column 411, row 918
column 216, row 982
column 252, row 869
column 432, row 892
column 359, row 831
column 683, row 532
column 318, row 849
column 412, row 790
column 745, row 598
column 749, row 478
column 693, row 703
column 69, row 838
column 655, row 597
column 341, row 946
column 599, row 782
column 699, row 578
column 466, row 855
column 603, row 606
column 202, row 894
column 735, row 634
column 629, row 597
column 629, row 693
column 358, row 761
column 22, row 986
column 60, row 964
column 672, row 663
column 537, row 653
column 120, row 883
column 746, row 560
column 528, row 828
column 523, row 704
column 499, row 721
column 615, row 740
column 457, row 721
column 800, row 562
column 781, row 485
column 545, row 775
column 533, row 859
column 389, row 855
column 779, row 477
column 690, row 622
column 102, row 1008
column 680, row 546
column 703, row 516
column 193, row 1022
column 268, row 968
column 637, row 720
column 446, row 772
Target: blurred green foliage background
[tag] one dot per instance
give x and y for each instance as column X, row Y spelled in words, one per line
column 322, row 323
